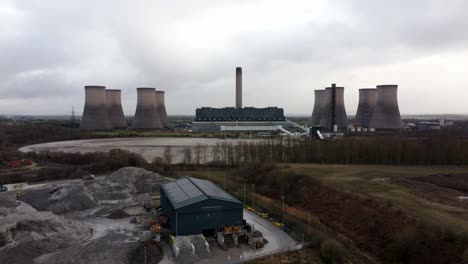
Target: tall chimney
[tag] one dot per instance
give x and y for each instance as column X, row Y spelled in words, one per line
column 95, row 115
column 238, row 87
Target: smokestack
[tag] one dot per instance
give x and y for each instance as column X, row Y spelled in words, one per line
column 334, row 112
column 367, row 102
column 95, row 115
column 161, row 108
column 146, row 115
column 319, row 104
column 386, row 114
column 238, row 87
column 114, row 108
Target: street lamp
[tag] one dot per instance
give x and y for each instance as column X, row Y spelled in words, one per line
column 282, row 197
column 253, row 196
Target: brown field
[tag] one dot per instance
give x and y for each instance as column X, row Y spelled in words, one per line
column 363, row 206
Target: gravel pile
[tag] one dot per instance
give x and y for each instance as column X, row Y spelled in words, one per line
column 68, row 197
column 117, row 214
column 200, row 247
column 26, row 234
column 134, row 180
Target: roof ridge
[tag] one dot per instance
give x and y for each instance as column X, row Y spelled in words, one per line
column 198, row 187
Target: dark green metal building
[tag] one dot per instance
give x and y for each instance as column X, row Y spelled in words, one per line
column 196, row 206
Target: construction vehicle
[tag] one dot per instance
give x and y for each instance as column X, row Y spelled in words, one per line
column 3, row 188
column 88, row 177
column 254, row 237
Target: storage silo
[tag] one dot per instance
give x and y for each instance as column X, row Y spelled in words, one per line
column 161, row 108
column 334, row 111
column 146, row 114
column 114, row 108
column 319, row 103
column 367, row 102
column 95, row 115
column 386, row 115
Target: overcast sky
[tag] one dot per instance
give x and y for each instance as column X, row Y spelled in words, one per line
column 51, row 49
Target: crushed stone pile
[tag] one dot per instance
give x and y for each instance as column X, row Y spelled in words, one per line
column 118, row 214
column 26, row 233
column 135, row 180
column 106, row 249
column 200, row 246
column 185, row 255
column 67, row 197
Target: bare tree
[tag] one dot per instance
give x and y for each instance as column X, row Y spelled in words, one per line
column 168, row 156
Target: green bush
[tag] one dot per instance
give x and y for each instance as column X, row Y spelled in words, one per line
column 331, row 252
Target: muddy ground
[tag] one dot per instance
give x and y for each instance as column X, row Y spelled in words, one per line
column 77, row 221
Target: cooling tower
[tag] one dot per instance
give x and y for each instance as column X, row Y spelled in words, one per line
column 238, row 87
column 318, row 106
column 367, row 102
column 161, row 108
column 146, row 114
column 95, row 112
column 114, row 108
column 386, row 114
column 334, row 112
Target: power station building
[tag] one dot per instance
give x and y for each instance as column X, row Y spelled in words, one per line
column 195, row 206
column 239, row 118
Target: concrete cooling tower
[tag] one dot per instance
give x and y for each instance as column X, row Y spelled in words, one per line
column 95, row 115
column 386, row 114
column 161, row 108
column 334, row 112
column 367, row 102
column 319, row 103
column 114, row 108
column 146, row 114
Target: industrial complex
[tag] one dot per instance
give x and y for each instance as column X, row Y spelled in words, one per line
column 103, row 109
column 377, row 111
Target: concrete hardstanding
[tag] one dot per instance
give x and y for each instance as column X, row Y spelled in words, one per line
column 318, row 106
column 341, row 119
column 114, row 108
column 161, row 108
column 386, row 114
column 95, row 115
column 367, row 102
column 146, row 114
column 238, row 87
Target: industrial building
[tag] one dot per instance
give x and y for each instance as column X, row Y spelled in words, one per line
column 367, row 102
column 195, row 206
column 386, row 115
column 95, row 115
column 114, row 109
